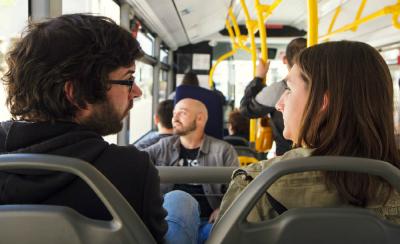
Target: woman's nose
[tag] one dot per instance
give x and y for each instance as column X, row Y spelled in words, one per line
column 280, row 104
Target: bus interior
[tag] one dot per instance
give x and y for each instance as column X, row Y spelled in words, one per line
column 220, row 41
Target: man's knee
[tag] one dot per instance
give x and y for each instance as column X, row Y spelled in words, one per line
column 181, row 205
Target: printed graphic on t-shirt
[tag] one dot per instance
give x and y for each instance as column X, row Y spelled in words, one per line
column 188, row 162
column 188, row 157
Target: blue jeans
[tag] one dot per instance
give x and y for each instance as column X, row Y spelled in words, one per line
column 184, row 224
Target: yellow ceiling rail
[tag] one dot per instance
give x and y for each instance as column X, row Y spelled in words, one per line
column 312, row 34
column 338, row 9
column 240, row 39
column 395, row 18
column 359, row 12
column 391, row 9
column 269, row 9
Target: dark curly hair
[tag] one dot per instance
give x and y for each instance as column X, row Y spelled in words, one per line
column 79, row 48
column 165, row 112
column 240, row 124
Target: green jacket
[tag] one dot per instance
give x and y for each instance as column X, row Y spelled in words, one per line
column 299, row 190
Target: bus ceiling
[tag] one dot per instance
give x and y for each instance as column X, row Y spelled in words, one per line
column 179, row 22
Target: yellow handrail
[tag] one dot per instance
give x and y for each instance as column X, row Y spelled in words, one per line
column 234, row 22
column 234, row 42
column 312, row 35
column 338, row 9
column 230, row 32
column 392, row 9
column 263, row 12
column 251, row 26
column 260, row 9
column 395, row 18
column 359, row 12
column 223, row 57
column 240, row 39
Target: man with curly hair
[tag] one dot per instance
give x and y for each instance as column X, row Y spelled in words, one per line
column 70, row 81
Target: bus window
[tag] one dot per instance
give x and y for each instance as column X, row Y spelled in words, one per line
column 162, row 92
column 164, row 56
column 10, row 30
column 146, row 42
column 101, row 7
column 141, row 114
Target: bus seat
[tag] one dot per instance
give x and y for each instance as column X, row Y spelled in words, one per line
column 47, row 224
column 309, row 225
column 246, row 155
column 211, row 100
column 236, row 141
column 246, row 160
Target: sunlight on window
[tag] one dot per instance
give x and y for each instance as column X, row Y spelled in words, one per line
column 141, row 113
column 10, row 31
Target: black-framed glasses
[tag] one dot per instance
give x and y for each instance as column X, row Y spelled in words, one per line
column 128, row 83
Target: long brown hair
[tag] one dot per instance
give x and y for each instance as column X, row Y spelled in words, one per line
column 358, row 118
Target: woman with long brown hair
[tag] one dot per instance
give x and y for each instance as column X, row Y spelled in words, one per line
column 338, row 101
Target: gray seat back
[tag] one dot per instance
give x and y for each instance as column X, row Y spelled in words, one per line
column 45, row 224
column 309, row 225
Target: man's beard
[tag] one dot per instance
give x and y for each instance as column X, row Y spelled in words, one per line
column 104, row 120
column 185, row 130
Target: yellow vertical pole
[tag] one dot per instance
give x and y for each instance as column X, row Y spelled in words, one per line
column 261, row 29
column 260, row 9
column 312, row 35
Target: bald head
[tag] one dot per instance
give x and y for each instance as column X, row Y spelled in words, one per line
column 193, row 106
column 189, row 115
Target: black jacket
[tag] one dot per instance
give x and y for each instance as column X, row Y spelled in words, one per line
column 127, row 168
column 252, row 109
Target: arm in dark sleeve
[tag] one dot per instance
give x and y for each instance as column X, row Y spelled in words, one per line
column 154, row 213
column 249, row 107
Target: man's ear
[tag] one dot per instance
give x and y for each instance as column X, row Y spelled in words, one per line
column 200, row 117
column 156, row 119
column 69, row 93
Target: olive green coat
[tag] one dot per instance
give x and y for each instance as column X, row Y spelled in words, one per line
column 299, row 190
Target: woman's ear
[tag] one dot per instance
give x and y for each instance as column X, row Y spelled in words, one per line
column 325, row 102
